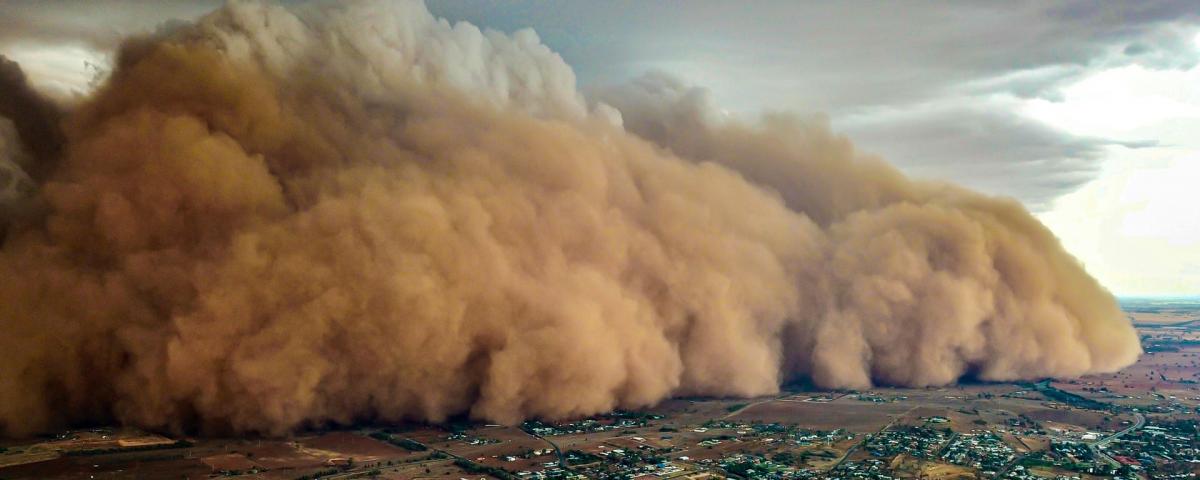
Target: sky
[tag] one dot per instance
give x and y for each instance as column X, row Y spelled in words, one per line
column 1087, row 112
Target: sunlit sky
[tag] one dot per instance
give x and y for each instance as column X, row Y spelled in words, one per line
column 1087, row 112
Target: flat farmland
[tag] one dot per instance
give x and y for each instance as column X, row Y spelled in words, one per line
column 855, row 417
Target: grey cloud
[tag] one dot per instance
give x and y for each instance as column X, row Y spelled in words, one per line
column 876, row 68
column 1032, row 83
column 986, row 147
column 846, row 56
column 98, row 24
column 1166, row 48
column 836, row 57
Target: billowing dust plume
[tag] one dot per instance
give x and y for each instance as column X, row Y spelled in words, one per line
column 277, row 219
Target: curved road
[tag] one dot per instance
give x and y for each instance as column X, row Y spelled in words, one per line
column 1096, row 446
column 562, row 460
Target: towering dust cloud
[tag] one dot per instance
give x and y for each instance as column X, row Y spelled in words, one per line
column 275, row 219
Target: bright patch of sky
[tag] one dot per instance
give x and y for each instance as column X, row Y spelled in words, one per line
column 61, row 71
column 1137, row 225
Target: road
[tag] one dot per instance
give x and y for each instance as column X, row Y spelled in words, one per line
column 363, row 469
column 1016, row 459
column 748, row 405
column 856, row 446
column 562, row 459
column 1139, row 423
column 949, row 441
column 1096, row 447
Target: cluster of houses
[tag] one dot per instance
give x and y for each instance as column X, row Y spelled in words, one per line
column 917, row 441
column 983, row 451
column 1165, row 450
